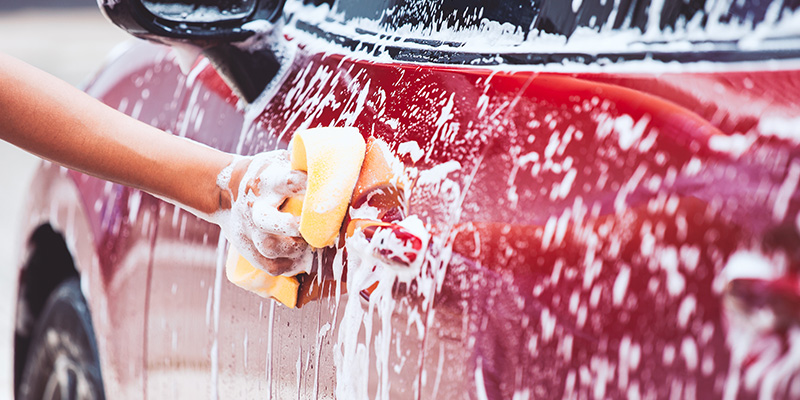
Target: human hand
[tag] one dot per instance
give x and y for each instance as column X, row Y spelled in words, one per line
column 249, row 216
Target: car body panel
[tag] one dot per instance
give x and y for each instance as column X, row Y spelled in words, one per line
column 440, row 109
column 113, row 264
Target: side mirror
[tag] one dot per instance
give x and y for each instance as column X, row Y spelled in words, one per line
column 218, row 28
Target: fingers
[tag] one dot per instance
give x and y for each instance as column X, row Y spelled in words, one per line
column 276, row 246
column 274, row 175
column 283, row 256
column 277, row 255
column 274, row 266
column 267, row 218
column 273, row 182
column 296, row 183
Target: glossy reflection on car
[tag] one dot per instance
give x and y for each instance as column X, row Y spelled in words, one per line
column 611, row 193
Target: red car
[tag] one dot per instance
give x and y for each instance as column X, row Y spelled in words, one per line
column 610, row 189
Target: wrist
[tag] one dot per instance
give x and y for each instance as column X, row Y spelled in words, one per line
column 229, row 181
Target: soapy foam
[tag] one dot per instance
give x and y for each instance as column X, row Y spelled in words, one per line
column 366, row 268
column 253, row 224
column 764, row 359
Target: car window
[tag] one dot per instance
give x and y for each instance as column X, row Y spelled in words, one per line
column 538, row 17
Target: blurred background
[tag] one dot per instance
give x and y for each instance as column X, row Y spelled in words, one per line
column 69, row 39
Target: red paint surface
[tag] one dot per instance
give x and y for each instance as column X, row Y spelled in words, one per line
column 529, row 300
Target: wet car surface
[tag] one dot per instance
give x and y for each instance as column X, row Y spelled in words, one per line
column 624, row 231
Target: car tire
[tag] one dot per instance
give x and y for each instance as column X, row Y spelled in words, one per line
column 62, row 361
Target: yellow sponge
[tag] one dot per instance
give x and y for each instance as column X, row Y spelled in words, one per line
column 243, row 274
column 293, row 205
column 332, row 157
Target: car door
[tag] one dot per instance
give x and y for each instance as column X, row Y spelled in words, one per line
column 206, row 335
column 547, row 186
column 185, row 283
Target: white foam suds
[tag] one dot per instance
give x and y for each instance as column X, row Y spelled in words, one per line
column 412, row 149
column 134, row 201
column 438, row 173
column 750, row 265
column 186, row 55
column 782, row 127
column 480, row 386
column 253, row 222
column 367, row 267
column 764, row 358
column 621, row 285
column 686, row 310
column 786, row 191
column 734, row 145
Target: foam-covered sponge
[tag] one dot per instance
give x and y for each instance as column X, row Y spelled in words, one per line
column 243, row 274
column 332, row 157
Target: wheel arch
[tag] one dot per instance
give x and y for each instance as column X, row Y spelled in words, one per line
column 59, row 245
column 49, row 263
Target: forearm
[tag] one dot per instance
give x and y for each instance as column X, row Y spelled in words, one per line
column 53, row 120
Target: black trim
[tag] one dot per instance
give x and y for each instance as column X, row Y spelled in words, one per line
column 726, row 52
column 136, row 19
column 246, row 72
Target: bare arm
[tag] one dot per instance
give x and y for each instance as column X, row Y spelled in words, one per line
column 56, row 121
column 50, row 118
